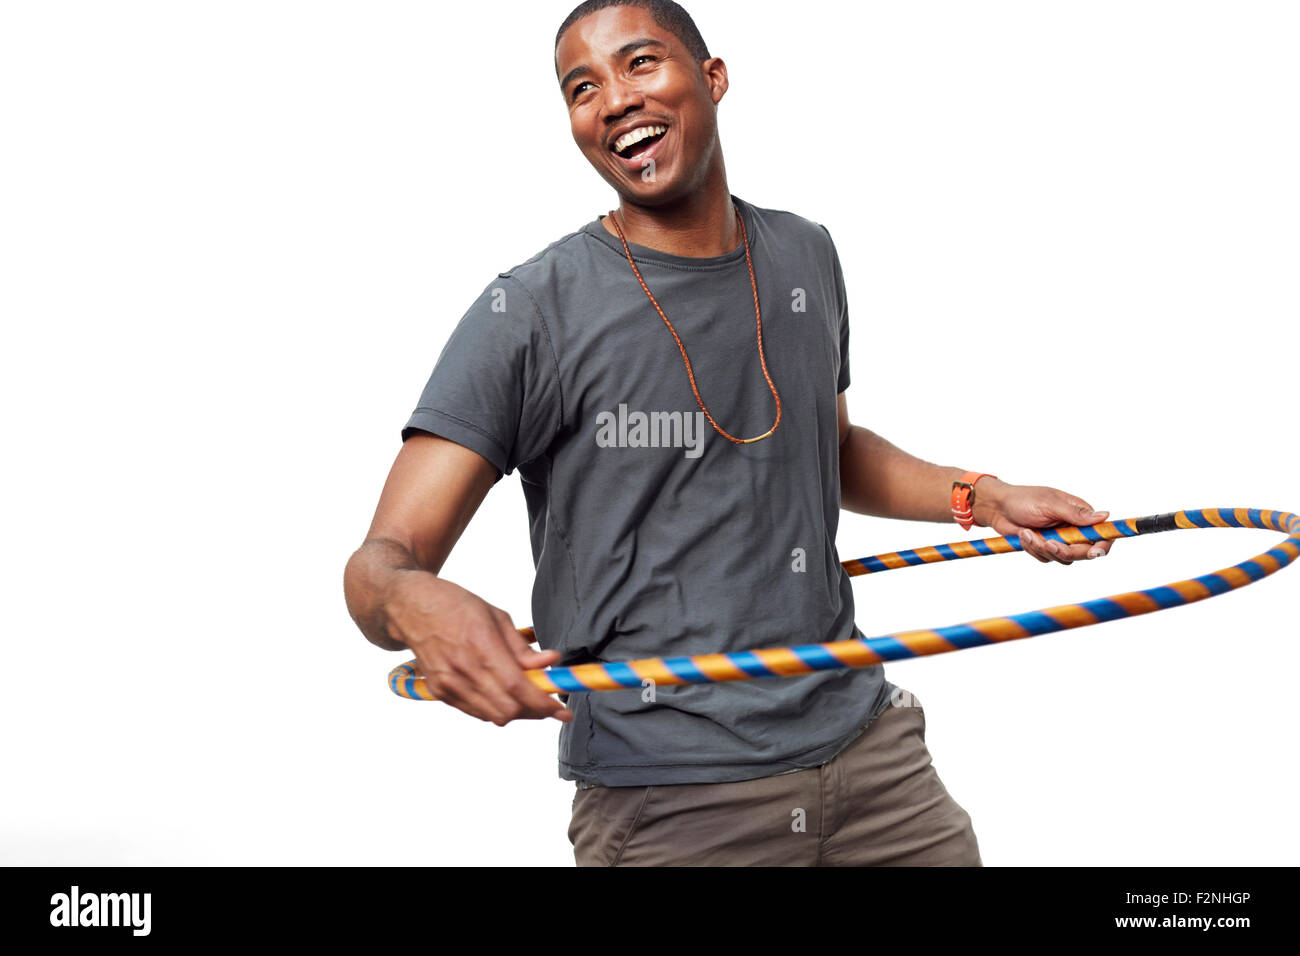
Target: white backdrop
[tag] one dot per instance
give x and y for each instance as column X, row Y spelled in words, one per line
column 236, row 235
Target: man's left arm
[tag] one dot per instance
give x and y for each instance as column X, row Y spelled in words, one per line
column 878, row 478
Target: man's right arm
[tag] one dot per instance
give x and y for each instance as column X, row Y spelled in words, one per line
column 470, row 653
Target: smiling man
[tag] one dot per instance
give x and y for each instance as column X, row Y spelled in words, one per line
column 687, row 319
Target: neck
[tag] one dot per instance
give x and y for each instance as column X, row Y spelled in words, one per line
column 701, row 224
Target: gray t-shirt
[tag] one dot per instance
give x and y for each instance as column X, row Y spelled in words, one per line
column 652, row 534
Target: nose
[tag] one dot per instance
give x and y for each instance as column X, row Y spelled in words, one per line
column 621, row 95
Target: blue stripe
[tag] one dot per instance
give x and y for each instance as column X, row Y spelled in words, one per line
column 1283, row 559
column 563, row 678
column 983, row 548
column 1165, row 597
column 889, row 649
column 750, row 664
column 1256, row 518
column 963, row 636
column 1198, row 518
column 1105, row 609
column 625, row 676
column 873, row 564
column 817, row 657
column 1254, row 570
column 1036, row 622
column 685, row 668
column 948, row 553
column 911, row 557
column 1214, row 583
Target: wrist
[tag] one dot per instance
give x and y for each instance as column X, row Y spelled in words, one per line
column 988, row 492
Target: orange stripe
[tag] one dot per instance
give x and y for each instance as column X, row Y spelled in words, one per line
column 855, row 567
column 543, row 682
column 1183, row 521
column 929, row 554
column 717, row 667
column 1190, row 590
column 593, row 677
column 999, row 629
column 852, row 652
column 1212, row 516
column 654, row 670
column 892, row 560
column 1289, row 548
column 1267, row 562
column 924, row 642
column 1135, row 602
column 1072, row 535
column 1234, row 576
column 999, row 545
column 1266, row 516
column 1243, row 516
column 963, row 549
column 783, row 661
column 1071, row 615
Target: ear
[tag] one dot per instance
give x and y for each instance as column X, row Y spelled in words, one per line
column 715, row 78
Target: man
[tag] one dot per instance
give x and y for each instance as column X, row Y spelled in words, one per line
column 670, row 382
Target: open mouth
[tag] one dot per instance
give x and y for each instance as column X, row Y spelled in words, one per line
column 635, row 144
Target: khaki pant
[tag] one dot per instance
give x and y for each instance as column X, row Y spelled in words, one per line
column 879, row 802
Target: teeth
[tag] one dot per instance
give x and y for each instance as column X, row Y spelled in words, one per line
column 628, row 139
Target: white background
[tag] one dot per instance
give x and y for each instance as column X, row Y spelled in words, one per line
column 236, row 235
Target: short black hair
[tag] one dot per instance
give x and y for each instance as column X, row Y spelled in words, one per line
column 666, row 13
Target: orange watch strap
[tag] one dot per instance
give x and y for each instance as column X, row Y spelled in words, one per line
column 963, row 498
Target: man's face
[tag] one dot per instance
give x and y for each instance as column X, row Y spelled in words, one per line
column 621, row 72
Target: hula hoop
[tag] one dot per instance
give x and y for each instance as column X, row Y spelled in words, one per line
column 405, row 681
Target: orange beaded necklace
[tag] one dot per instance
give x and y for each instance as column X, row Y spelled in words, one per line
column 689, row 372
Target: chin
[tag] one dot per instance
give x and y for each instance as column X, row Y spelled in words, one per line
column 659, row 193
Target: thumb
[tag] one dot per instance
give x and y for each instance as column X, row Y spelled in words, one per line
column 1081, row 513
column 530, row 659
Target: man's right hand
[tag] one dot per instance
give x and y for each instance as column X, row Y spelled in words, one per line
column 470, row 653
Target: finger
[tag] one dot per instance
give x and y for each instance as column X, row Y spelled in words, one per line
column 1060, row 553
column 1032, row 544
column 537, row 660
column 455, row 691
column 1099, row 549
column 1081, row 514
column 1080, row 552
column 471, row 665
column 509, row 684
column 527, row 656
column 531, row 697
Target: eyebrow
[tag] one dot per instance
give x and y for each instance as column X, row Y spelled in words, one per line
column 622, row 51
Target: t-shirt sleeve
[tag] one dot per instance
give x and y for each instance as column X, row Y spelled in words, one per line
column 842, row 314
column 495, row 385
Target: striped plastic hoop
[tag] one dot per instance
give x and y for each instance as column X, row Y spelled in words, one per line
column 864, row 652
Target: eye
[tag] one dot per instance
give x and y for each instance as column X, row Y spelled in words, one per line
column 577, row 90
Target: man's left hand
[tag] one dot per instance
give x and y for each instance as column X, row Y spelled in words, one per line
column 1018, row 509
